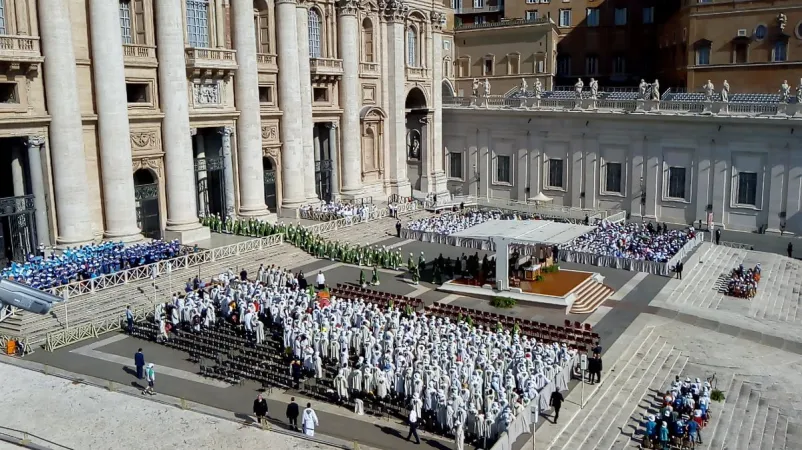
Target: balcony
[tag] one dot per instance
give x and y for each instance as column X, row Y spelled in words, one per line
column 368, row 69
column 417, row 73
column 484, row 9
column 20, row 53
column 139, row 55
column 266, row 63
column 325, row 68
column 211, row 62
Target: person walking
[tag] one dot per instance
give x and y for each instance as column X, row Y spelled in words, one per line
column 790, row 250
column 150, row 374
column 260, row 408
column 556, row 402
column 679, row 270
column 129, row 319
column 398, row 229
column 595, row 376
column 292, row 414
column 413, row 426
column 718, row 236
column 139, row 363
column 309, row 420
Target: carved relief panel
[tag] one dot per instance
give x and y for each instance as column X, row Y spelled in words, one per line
column 270, row 137
column 146, row 141
column 372, row 133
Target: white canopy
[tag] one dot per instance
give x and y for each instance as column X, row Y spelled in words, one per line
column 540, row 197
column 526, row 232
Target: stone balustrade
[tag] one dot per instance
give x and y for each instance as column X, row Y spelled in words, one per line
column 211, row 59
column 28, row 44
column 369, row 69
column 417, row 73
column 718, row 108
column 266, row 63
column 325, row 66
column 139, row 55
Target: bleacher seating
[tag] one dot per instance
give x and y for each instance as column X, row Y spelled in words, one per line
column 688, row 97
column 618, row 96
column 754, row 98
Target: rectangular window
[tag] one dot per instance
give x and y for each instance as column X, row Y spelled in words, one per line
column 740, row 56
column 676, row 182
column 125, row 21
column 780, row 51
column 198, row 23
column 139, row 22
column 703, row 56
column 455, row 165
column 513, row 64
column 555, row 173
column 540, row 66
column 480, row 20
column 648, row 15
column 613, row 178
column 263, row 46
column 593, row 17
column 591, row 65
column 488, row 67
column 747, row 188
column 265, row 94
column 3, row 29
column 565, row 18
column 532, row 15
column 8, row 93
column 137, row 92
column 563, row 65
column 503, row 169
column 619, row 65
column 620, row 16
column 320, row 94
column 478, row 4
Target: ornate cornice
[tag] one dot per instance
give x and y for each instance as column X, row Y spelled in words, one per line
column 280, row 2
column 438, row 20
column 394, row 10
column 348, row 7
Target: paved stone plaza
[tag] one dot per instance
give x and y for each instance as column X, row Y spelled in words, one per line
column 652, row 329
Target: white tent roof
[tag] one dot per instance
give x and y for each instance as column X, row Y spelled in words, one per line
column 527, row 232
column 540, row 197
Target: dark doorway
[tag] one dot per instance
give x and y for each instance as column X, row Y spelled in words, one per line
column 323, row 162
column 270, row 183
column 146, row 194
column 17, row 226
column 209, row 172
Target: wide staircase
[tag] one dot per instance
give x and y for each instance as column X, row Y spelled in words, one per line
column 610, row 418
column 590, row 294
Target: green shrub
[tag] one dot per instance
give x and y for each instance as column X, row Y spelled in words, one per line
column 717, row 395
column 539, row 277
column 503, row 302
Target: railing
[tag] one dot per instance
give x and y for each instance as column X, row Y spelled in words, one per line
column 7, row 311
column 620, row 216
column 483, row 9
column 368, row 68
column 658, row 107
column 417, row 73
column 545, row 209
column 28, row 440
column 139, row 51
column 91, row 330
column 194, row 259
column 735, row 245
column 501, row 24
column 20, row 43
column 225, row 56
column 266, row 60
column 326, row 66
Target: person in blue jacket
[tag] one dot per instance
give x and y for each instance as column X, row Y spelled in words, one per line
column 651, row 429
column 664, row 436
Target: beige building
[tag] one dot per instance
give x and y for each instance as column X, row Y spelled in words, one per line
column 136, row 116
column 504, row 53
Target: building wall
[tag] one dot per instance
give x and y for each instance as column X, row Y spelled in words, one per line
column 712, row 152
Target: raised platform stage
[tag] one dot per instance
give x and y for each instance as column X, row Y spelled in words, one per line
column 578, row 292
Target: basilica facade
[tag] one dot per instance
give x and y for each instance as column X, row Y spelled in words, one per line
column 131, row 117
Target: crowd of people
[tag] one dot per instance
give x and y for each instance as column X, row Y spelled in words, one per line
column 743, row 282
column 43, row 271
column 632, row 241
column 682, row 417
column 462, row 381
column 450, row 223
column 336, row 210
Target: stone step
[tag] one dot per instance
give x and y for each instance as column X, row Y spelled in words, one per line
column 793, row 435
column 591, row 297
column 734, row 405
column 746, row 420
column 781, row 433
column 756, row 430
column 767, row 434
column 596, row 408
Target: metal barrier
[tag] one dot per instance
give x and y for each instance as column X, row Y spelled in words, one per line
column 90, row 330
column 192, row 259
column 322, row 216
column 735, row 245
column 620, row 216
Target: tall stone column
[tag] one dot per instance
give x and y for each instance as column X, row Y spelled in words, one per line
column 395, row 14
column 292, row 160
column 116, row 174
column 305, row 81
column 351, row 161
column 228, row 171
column 66, row 131
column 439, row 181
column 35, row 147
column 17, row 171
column 249, row 123
column 200, row 176
column 182, row 212
column 334, row 154
column 425, row 153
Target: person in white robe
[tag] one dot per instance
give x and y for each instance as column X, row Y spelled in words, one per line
column 309, row 420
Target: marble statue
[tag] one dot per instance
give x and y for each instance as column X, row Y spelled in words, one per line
column 654, row 89
column 782, row 20
column 487, row 88
column 725, row 92
column 578, row 87
column 524, row 86
column 475, row 87
column 539, row 87
column 594, row 88
column 709, row 88
column 799, row 91
column 785, row 91
column 642, row 89
column 414, row 146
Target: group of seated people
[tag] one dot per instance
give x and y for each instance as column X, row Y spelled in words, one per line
column 743, row 282
column 467, row 382
column 632, row 241
column 682, row 417
column 336, row 210
column 450, row 223
column 87, row 262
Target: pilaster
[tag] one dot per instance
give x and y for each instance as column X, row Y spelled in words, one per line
column 703, row 177
column 334, row 150
column 351, row 155
column 228, row 171
column 793, row 200
column 721, row 182
column 438, row 180
column 35, row 147
column 395, row 12
column 775, row 186
column 590, row 146
column 654, row 175
column 637, row 181
column 576, row 178
column 305, row 85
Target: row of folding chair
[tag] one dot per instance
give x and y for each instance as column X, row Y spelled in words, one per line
column 349, row 291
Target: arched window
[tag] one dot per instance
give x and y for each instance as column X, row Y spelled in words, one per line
column 198, row 23
column 412, row 47
column 314, row 33
column 367, row 40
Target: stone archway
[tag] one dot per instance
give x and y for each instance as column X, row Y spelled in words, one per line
column 417, row 144
column 416, row 100
column 146, row 194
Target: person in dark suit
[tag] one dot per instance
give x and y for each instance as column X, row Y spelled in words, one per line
column 556, row 402
column 718, row 236
column 139, row 362
column 398, row 229
column 292, row 414
column 260, row 408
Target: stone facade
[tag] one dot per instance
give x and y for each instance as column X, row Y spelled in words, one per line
column 219, row 106
column 665, row 165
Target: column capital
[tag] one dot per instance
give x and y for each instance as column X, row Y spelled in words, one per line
column 438, row 20
column 193, row 131
column 394, row 10
column 425, row 120
column 332, row 125
column 35, row 141
column 306, row 4
column 281, row 2
column 348, row 7
column 226, row 131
